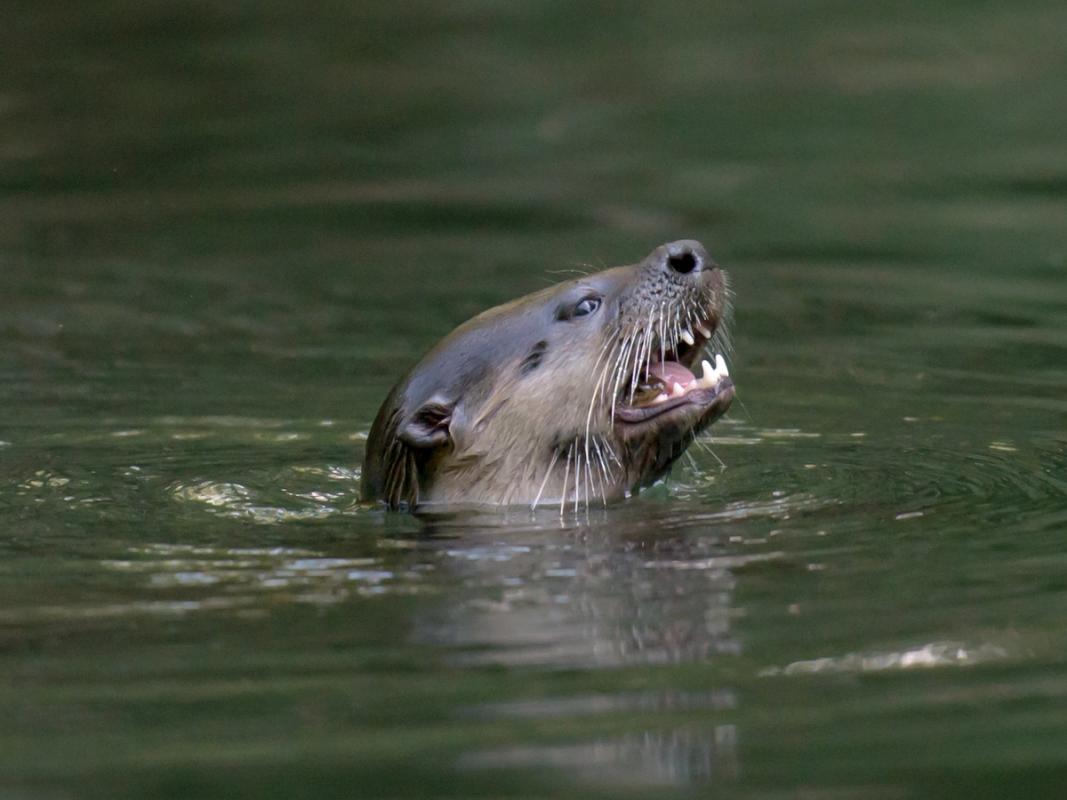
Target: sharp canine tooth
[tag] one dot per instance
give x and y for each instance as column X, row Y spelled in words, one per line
column 703, row 329
column 678, row 390
column 720, row 366
column 687, row 337
column 708, row 378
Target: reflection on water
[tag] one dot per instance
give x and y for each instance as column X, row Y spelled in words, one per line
column 654, row 758
column 607, row 704
column 587, row 596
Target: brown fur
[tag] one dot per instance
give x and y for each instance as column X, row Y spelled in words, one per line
column 518, row 405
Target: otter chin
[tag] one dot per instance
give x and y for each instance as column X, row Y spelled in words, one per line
column 577, row 394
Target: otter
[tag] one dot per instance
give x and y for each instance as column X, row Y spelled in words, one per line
column 583, row 392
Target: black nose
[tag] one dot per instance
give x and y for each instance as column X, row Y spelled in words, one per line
column 683, row 262
column 686, row 256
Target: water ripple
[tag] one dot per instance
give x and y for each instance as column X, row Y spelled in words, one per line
column 235, row 500
column 927, row 656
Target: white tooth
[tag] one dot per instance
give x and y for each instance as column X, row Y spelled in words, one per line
column 678, row 390
column 660, row 398
column 709, row 378
column 720, row 366
column 703, row 329
column 687, row 337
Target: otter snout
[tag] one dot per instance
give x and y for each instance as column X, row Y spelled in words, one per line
column 684, row 257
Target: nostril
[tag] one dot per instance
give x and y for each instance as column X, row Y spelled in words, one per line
column 683, row 263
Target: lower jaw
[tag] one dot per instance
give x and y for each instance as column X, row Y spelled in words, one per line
column 696, row 403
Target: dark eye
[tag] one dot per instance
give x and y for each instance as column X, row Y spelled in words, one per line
column 586, row 306
column 583, row 308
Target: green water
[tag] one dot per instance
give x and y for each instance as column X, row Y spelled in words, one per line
column 226, row 229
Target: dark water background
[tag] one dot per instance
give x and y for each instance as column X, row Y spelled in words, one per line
column 226, row 228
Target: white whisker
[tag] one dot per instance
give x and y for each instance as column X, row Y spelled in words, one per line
column 566, row 474
column 548, row 473
column 579, row 477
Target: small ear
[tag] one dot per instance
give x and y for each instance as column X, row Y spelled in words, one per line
column 428, row 426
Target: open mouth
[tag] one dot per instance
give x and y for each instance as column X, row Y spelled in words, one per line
column 670, row 381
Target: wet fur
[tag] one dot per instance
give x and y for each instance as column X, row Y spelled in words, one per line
column 534, row 398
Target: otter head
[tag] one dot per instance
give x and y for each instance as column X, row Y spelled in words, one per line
column 579, row 393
